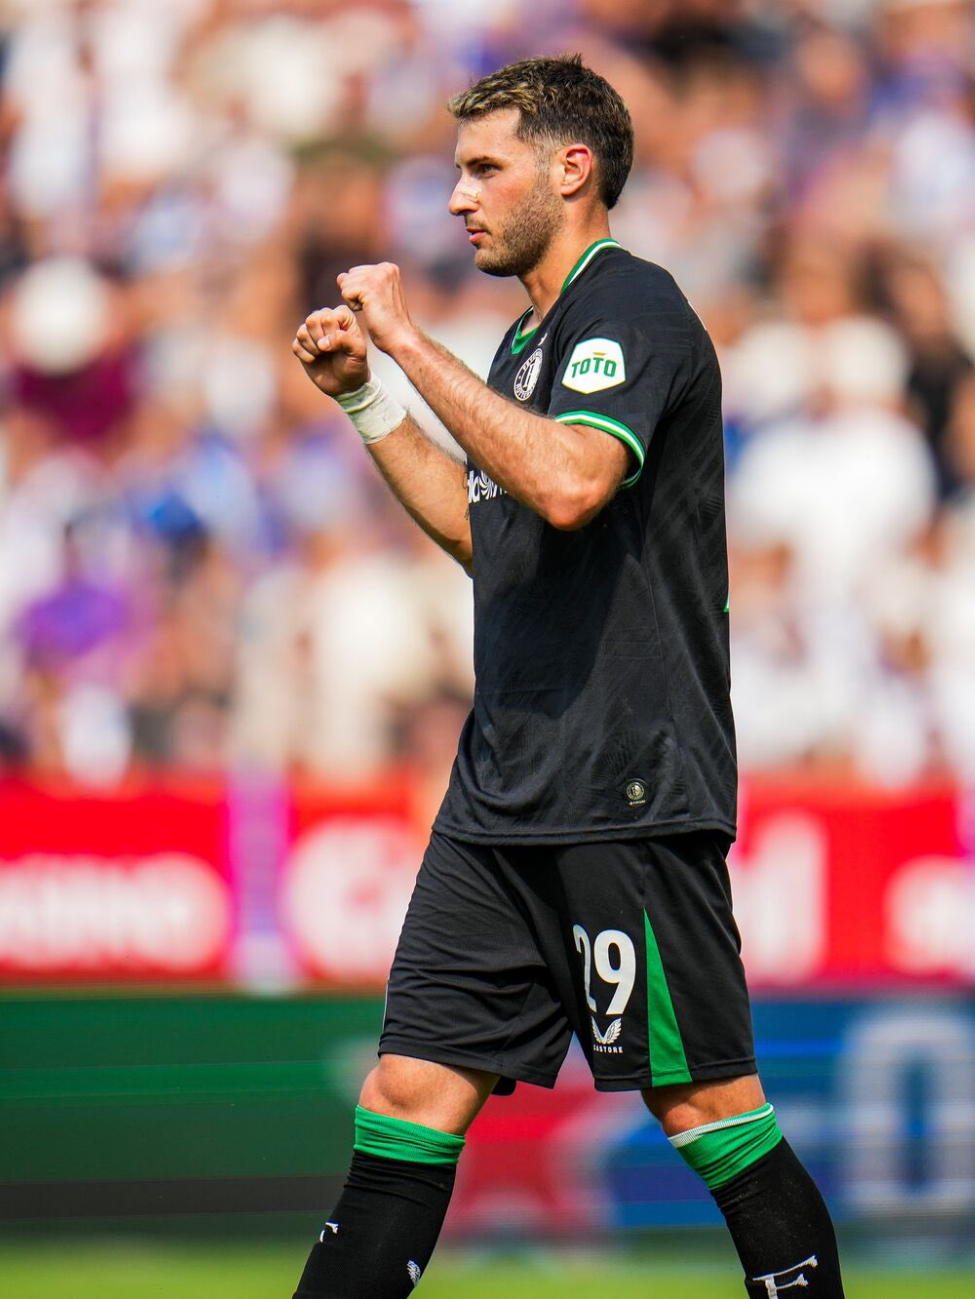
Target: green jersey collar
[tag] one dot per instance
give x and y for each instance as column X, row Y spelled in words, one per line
column 592, row 251
column 520, row 339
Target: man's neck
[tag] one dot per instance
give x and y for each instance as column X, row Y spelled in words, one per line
column 544, row 284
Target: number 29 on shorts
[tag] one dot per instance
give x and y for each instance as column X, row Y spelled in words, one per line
column 613, row 955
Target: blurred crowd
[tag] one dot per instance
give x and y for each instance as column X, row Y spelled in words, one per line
column 198, row 566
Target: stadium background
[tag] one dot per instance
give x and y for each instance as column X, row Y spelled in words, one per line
column 231, row 676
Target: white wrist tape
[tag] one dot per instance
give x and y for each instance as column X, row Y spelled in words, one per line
column 372, row 410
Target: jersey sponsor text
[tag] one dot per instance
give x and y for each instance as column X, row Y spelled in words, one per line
column 481, row 488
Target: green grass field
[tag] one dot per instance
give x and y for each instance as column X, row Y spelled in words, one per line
column 124, row 1270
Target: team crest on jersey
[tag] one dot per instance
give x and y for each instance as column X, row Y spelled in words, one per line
column 527, row 376
column 594, row 365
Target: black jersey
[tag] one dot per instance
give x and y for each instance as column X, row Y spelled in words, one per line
column 601, row 706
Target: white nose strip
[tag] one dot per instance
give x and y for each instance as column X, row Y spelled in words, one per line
column 470, row 192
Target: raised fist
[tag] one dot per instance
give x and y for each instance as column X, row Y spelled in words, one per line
column 331, row 347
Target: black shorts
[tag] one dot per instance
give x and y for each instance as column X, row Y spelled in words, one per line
column 631, row 944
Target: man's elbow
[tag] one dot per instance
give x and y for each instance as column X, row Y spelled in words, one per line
column 575, row 505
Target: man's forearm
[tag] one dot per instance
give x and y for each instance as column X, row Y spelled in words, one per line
column 565, row 473
column 430, row 485
column 536, row 460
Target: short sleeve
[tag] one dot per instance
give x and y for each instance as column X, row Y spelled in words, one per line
column 618, row 376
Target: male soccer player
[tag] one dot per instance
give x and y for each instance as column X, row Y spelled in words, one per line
column 575, row 878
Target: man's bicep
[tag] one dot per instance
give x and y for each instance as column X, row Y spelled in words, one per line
column 608, row 460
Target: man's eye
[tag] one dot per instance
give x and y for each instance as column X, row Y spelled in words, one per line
column 484, row 168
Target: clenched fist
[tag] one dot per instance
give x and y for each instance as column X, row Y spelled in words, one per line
column 331, row 347
column 377, row 292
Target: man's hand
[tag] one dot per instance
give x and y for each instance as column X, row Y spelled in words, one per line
column 377, row 292
column 332, row 349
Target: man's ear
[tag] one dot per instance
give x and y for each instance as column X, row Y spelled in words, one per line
column 577, row 167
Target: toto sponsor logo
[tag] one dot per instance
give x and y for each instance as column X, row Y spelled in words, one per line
column 347, row 886
column 169, row 913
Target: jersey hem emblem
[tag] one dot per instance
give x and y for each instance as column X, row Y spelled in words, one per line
column 636, row 792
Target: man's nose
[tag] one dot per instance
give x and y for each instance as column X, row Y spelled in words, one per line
column 464, row 198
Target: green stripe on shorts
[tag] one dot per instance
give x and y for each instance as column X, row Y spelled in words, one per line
column 668, row 1064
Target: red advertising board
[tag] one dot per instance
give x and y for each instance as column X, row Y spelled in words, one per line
column 347, row 878
column 842, row 885
column 134, row 885
column 834, row 885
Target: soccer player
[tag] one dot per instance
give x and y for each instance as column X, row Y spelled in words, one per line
column 575, row 880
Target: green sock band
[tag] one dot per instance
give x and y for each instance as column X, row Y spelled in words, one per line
column 377, row 1134
column 720, row 1151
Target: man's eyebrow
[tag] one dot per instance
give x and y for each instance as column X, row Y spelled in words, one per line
column 482, row 157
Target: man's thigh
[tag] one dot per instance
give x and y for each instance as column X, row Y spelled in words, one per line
column 469, row 985
column 645, row 953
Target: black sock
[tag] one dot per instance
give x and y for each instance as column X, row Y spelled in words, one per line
column 781, row 1229
column 381, row 1235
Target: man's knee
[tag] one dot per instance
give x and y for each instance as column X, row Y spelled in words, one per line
column 720, row 1129
column 438, row 1096
column 684, row 1106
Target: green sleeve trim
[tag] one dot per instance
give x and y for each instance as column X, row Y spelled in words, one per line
column 388, row 1138
column 613, row 426
column 720, row 1151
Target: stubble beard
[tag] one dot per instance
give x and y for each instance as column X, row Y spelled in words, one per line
column 521, row 241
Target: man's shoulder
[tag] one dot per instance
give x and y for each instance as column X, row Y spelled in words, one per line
column 626, row 289
column 618, row 268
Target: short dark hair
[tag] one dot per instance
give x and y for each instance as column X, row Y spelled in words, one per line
column 560, row 100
